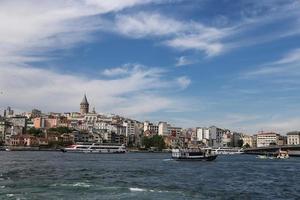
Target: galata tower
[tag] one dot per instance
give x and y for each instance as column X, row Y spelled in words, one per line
column 84, row 105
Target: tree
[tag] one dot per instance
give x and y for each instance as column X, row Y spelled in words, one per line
column 240, row 143
column 35, row 131
column 154, row 141
column 61, row 129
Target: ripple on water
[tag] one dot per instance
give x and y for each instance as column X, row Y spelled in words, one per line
column 77, row 184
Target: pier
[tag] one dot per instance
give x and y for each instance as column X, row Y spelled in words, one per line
column 293, row 150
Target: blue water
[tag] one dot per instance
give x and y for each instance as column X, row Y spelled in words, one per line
column 55, row 175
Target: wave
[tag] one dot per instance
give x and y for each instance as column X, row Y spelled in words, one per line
column 146, row 190
column 137, row 190
column 78, row 184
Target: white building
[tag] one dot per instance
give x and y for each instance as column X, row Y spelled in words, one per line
column 293, row 138
column 174, row 131
column 163, row 128
column 132, row 127
column 202, row 134
column 265, row 139
column 150, row 127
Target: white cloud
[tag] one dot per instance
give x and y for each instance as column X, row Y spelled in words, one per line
column 31, row 30
column 174, row 33
column 291, row 57
column 183, row 82
column 197, row 43
column 288, row 65
column 146, row 24
column 140, row 91
column 182, row 61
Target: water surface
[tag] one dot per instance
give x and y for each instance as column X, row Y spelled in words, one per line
column 56, row 175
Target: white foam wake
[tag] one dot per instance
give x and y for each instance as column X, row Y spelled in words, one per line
column 137, row 190
column 145, row 190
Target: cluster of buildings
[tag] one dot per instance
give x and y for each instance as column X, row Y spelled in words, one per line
column 89, row 126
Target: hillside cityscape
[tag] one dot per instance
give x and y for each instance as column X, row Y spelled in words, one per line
column 54, row 130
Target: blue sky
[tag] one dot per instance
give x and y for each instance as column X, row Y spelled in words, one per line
column 234, row 64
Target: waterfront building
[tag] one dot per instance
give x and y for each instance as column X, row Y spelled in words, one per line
column 216, row 135
column 131, row 127
column 36, row 113
column 254, row 141
column 247, row 139
column 46, row 122
column 19, row 124
column 30, row 140
column 267, row 139
column 5, row 129
column 293, row 138
column 282, row 140
column 174, row 130
column 150, row 127
column 227, row 139
column 90, row 117
column 202, row 134
column 237, row 139
column 84, row 106
column 8, row 112
column 39, row 122
column 15, row 140
column 163, row 128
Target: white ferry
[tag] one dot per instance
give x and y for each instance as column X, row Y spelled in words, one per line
column 204, row 154
column 95, row 148
column 228, row 151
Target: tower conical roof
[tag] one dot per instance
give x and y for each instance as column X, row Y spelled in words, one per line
column 84, row 100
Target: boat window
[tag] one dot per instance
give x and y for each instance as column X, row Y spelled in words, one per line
column 81, row 147
column 195, row 154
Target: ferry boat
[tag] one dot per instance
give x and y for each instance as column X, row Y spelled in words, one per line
column 95, row 148
column 228, row 151
column 198, row 154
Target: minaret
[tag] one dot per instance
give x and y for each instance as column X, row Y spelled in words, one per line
column 84, row 105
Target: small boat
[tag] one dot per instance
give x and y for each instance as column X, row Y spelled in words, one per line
column 262, row 157
column 228, row 151
column 95, row 148
column 197, row 154
column 282, row 154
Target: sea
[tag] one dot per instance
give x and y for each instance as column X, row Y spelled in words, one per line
column 57, row 175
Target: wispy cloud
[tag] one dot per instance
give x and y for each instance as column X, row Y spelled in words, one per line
column 214, row 40
column 183, row 82
column 32, row 30
column 174, row 33
column 289, row 64
column 183, row 61
column 51, row 90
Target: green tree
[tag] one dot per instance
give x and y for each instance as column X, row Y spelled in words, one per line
column 240, row 143
column 154, row 141
column 35, row 132
column 61, row 129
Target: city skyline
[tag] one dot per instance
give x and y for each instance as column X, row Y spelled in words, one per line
column 189, row 63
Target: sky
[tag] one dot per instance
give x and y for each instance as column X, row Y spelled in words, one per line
column 193, row 63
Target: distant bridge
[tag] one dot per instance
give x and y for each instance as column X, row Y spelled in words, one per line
column 293, row 150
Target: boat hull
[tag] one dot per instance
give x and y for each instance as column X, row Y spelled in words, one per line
column 91, row 151
column 209, row 158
